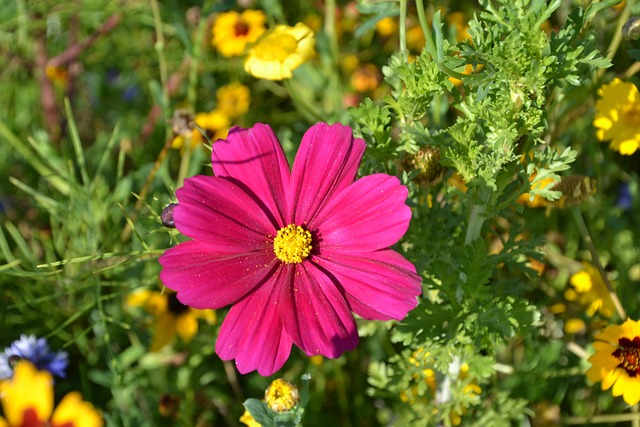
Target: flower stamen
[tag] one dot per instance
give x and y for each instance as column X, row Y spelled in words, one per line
column 628, row 353
column 292, row 244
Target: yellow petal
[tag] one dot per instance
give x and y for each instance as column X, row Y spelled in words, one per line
column 164, row 332
column 186, row 326
column 609, row 378
column 73, row 411
column 29, row 388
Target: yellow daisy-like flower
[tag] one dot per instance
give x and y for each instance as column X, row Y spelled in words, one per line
column 233, row 99
column 27, row 400
column 366, row 78
column 386, row 26
column 618, row 116
column 280, row 51
column 616, row 362
column 281, row 395
column 232, row 31
column 172, row 317
column 589, row 289
column 215, row 124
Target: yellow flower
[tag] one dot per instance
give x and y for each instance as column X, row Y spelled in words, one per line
column 617, row 361
column 367, row 78
column 458, row 21
column 281, row 395
column 618, row 116
column 415, row 38
column 590, row 291
column 214, row 123
column 574, row 326
column 172, row 317
column 280, row 51
column 232, row 31
column 468, row 69
column 58, row 75
column 27, row 400
column 248, row 420
column 386, row 26
column 233, row 99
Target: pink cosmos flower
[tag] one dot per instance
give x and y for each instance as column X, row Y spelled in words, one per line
column 295, row 251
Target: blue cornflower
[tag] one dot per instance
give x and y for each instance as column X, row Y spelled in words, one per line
column 36, row 350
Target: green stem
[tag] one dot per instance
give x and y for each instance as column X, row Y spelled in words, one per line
column 403, row 30
column 162, row 63
column 584, row 231
column 617, row 34
column 306, row 109
column 185, row 162
column 195, row 64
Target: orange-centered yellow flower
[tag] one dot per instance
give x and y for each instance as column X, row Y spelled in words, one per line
column 617, row 361
column 618, row 116
column 232, row 31
column 280, row 51
column 27, row 401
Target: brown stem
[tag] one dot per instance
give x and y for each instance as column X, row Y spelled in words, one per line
column 76, row 49
column 47, row 94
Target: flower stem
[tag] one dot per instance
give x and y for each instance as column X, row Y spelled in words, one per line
column 403, row 30
column 584, row 231
column 617, row 34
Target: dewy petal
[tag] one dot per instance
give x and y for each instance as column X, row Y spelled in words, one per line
column 379, row 285
column 204, row 278
column 315, row 313
column 368, row 215
column 326, row 163
column 218, row 211
column 255, row 158
column 252, row 332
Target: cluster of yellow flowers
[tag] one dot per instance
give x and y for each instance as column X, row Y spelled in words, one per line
column 270, row 54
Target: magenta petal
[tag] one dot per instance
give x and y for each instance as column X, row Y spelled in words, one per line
column 217, row 211
column 368, row 215
column 252, row 333
column 204, row 278
column 254, row 157
column 315, row 313
column 379, row 285
column 326, row 163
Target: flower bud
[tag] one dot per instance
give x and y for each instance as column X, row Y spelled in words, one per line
column 167, row 215
column 281, row 395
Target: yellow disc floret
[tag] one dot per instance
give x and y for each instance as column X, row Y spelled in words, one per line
column 292, row 244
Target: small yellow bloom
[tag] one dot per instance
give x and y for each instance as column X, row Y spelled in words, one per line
column 232, row 31
column 58, row 75
column 468, row 69
column 172, row 317
column 214, row 123
column 458, row 21
column 574, row 326
column 233, row 100
column 280, row 51
column 367, row 78
column 590, row 291
column 617, row 116
column 616, row 362
column 386, row 26
column 27, row 400
column 415, row 38
column 248, row 420
column 281, row 395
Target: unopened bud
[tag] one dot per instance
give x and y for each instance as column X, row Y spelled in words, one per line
column 167, row 215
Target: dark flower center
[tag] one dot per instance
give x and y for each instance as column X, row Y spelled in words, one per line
column 628, row 353
column 241, row 29
column 13, row 360
column 175, row 306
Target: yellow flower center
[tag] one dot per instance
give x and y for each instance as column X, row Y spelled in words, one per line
column 281, row 395
column 292, row 244
column 631, row 113
column 276, row 47
column 628, row 353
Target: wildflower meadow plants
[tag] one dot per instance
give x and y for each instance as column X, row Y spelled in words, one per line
column 347, row 213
